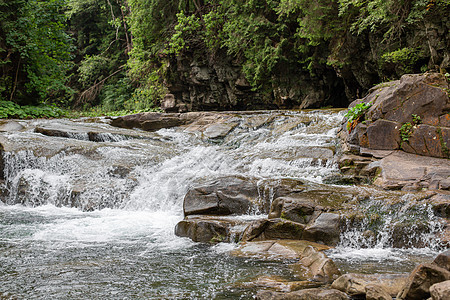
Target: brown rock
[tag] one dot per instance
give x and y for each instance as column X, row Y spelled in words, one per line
column 440, row 291
column 383, row 135
column 441, row 205
column 203, row 230
column 377, row 292
column 443, row 260
column 394, row 104
column 168, row 104
column 294, row 207
column 421, row 279
column 427, row 140
column 316, row 266
column 307, row 294
column 286, row 249
column 273, row 229
column 412, row 94
column 149, row 121
column 355, row 284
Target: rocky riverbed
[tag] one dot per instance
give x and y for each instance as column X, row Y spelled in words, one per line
column 309, row 214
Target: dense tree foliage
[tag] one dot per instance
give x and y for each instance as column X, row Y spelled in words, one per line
column 35, row 51
column 115, row 53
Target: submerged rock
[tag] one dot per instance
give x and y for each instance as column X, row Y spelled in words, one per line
column 278, row 284
column 286, row 249
column 306, row 294
column 10, row 125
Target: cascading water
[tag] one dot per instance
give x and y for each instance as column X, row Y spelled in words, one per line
column 91, row 214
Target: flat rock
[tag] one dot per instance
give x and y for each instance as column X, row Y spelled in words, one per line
column 306, row 294
column 278, row 284
column 286, row 249
column 400, row 169
column 355, row 284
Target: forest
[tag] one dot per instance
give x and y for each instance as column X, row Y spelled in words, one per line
column 126, row 55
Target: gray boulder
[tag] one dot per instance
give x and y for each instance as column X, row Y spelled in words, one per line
column 324, row 229
column 223, row 196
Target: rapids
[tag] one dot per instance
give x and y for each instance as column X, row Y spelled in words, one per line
column 90, row 214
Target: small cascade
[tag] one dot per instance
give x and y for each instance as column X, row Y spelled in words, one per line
column 405, row 224
column 386, row 236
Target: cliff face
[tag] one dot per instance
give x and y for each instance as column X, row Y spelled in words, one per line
column 201, row 80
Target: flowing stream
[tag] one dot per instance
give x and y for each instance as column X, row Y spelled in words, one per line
column 94, row 218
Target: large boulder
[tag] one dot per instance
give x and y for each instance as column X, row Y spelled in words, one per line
column 222, row 196
column 411, row 114
column 325, row 229
column 420, row 280
column 236, row 195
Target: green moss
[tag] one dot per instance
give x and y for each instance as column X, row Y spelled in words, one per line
column 217, row 239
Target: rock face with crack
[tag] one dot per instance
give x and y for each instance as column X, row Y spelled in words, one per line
column 402, row 138
column 411, row 114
